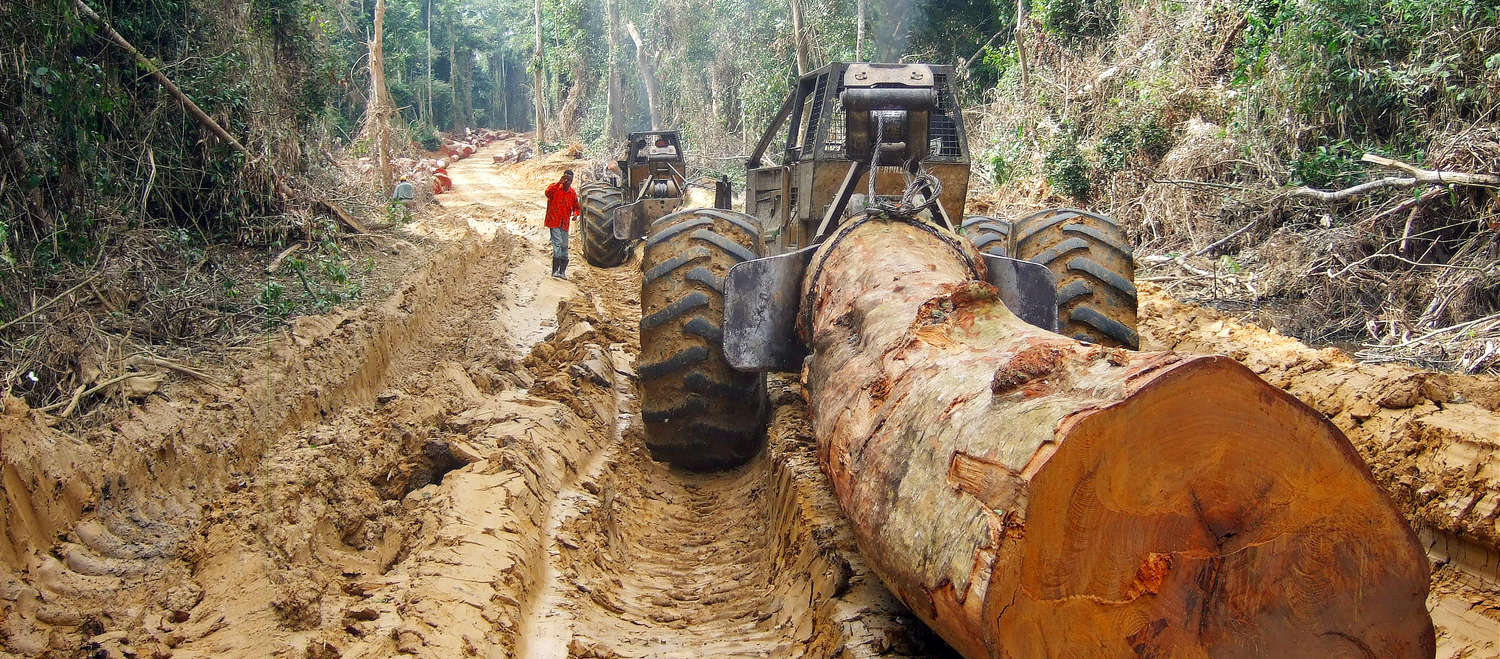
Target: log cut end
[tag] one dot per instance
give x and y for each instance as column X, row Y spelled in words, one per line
column 1211, row 511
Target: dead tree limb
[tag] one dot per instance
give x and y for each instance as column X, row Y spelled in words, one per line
column 202, row 117
column 1415, row 176
column 1433, row 176
column 1027, row 494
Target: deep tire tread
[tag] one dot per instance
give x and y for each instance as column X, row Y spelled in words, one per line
column 1090, row 254
column 600, row 247
column 700, row 414
column 989, row 235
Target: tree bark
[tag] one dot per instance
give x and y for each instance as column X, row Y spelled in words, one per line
column 613, row 121
column 537, row 89
column 1021, row 46
column 380, row 100
column 465, row 89
column 859, row 32
column 648, row 74
column 427, row 111
column 453, row 82
column 799, row 40
column 1027, row 494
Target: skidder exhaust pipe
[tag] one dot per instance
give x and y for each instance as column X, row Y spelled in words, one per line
column 1027, row 494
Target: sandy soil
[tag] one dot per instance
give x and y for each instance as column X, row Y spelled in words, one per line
column 458, row 470
column 455, row 471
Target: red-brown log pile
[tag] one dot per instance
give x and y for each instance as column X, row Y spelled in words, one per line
column 1029, row 495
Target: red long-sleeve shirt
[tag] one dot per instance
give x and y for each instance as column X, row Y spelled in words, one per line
column 562, row 205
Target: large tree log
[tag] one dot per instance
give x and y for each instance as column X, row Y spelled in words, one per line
column 1026, row 494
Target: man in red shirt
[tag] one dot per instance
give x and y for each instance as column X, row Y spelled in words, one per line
column 562, row 206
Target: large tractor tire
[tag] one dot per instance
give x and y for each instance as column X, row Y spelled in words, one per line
column 989, row 235
column 600, row 247
column 700, row 414
column 1096, row 299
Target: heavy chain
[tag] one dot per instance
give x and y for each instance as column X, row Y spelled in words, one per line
column 915, row 183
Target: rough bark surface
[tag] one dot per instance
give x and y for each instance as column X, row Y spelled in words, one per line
column 536, row 76
column 1030, row 495
column 647, row 64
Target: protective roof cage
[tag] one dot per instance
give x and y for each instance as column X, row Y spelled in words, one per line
column 639, row 146
column 820, row 115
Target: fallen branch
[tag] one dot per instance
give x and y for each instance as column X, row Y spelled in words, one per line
column 1434, row 176
column 1355, row 191
column 174, row 366
column 276, row 262
column 1225, row 239
column 80, row 393
column 49, row 303
column 198, row 113
column 1416, row 176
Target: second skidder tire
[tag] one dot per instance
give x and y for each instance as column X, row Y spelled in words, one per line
column 989, row 235
column 700, row 414
column 1096, row 298
column 600, row 247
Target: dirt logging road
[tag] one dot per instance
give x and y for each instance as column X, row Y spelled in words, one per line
column 458, row 469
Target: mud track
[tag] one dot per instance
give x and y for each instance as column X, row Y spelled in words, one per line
column 456, row 470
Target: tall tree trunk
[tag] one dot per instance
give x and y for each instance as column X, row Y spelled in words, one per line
column 1021, row 46
column 465, row 92
column 427, row 111
column 458, row 118
column 799, row 38
column 614, row 120
column 380, row 100
column 504, row 91
column 497, row 98
column 859, row 32
column 648, row 74
column 537, row 89
column 1028, row 494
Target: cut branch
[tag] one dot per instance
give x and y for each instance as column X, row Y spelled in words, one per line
column 1020, row 490
column 1416, row 176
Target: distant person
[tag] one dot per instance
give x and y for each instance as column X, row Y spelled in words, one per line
column 562, row 207
column 404, row 195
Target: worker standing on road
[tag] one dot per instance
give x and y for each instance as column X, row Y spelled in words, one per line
column 562, row 207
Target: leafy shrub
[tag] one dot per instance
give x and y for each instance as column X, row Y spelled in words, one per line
column 1327, row 165
column 1369, row 69
column 1155, row 139
column 1117, row 147
column 426, row 136
column 1075, row 21
column 1068, row 170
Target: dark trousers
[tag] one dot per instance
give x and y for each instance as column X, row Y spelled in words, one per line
column 559, row 251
